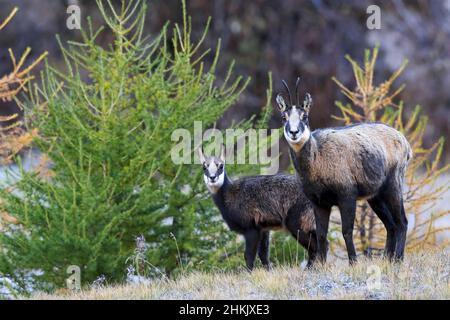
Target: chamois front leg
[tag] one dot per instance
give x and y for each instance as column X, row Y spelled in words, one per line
column 322, row 216
column 263, row 249
column 252, row 238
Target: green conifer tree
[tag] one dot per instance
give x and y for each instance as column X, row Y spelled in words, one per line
column 108, row 141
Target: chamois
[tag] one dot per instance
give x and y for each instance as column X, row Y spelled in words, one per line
column 338, row 166
column 252, row 206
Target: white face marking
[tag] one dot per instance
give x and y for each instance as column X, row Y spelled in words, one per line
column 294, row 119
column 297, row 144
column 213, row 187
column 212, row 168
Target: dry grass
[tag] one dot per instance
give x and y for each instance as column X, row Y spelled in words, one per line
column 423, row 275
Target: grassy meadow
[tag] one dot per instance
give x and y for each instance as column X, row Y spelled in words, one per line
column 423, row 275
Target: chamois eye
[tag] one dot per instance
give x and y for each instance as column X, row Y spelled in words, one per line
column 221, row 166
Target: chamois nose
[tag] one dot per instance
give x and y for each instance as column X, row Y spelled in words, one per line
column 294, row 132
column 212, row 178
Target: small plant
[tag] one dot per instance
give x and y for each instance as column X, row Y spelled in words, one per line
column 139, row 268
column 100, row 282
column 369, row 103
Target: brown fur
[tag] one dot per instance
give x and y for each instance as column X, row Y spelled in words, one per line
column 363, row 161
column 352, row 156
column 338, row 166
column 266, row 200
column 252, row 206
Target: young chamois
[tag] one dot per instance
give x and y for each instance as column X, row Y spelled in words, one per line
column 338, row 166
column 252, row 206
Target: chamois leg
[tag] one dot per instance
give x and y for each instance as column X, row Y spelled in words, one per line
column 322, row 216
column 312, row 249
column 394, row 201
column 381, row 210
column 307, row 239
column 252, row 238
column 395, row 206
column 348, row 209
column 401, row 239
column 263, row 249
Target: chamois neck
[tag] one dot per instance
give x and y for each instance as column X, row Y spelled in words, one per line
column 304, row 156
column 219, row 195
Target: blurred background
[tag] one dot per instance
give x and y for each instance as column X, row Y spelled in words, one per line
column 291, row 37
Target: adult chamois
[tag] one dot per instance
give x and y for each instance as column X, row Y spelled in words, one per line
column 338, row 166
column 252, row 206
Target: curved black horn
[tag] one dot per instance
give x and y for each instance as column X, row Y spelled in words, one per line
column 296, row 91
column 289, row 91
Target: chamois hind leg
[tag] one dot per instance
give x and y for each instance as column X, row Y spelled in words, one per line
column 347, row 209
column 308, row 241
column 381, row 210
column 304, row 234
column 394, row 202
column 393, row 198
column 252, row 238
column 311, row 245
column 263, row 249
column 322, row 217
column 401, row 239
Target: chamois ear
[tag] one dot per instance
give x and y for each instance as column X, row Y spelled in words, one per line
column 307, row 103
column 201, row 155
column 222, row 153
column 281, row 103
